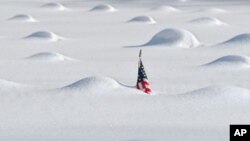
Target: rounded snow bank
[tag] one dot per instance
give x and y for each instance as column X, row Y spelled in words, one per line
column 49, row 56
column 104, row 8
column 44, row 35
column 220, row 93
column 142, row 19
column 23, row 18
column 165, row 8
column 54, row 6
column 94, row 84
column 238, row 40
column 231, row 61
column 207, row 21
column 8, row 84
column 171, row 37
column 213, row 10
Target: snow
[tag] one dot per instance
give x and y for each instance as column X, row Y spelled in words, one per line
column 70, row 76
column 165, row 9
column 231, row 61
column 54, row 6
column 91, row 84
column 213, row 10
column 142, row 19
column 207, row 21
column 49, row 56
column 44, row 35
column 23, row 18
column 240, row 39
column 104, row 8
column 171, row 37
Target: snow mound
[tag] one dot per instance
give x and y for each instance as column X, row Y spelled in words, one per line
column 8, row 84
column 207, row 21
column 23, row 18
column 44, row 35
column 54, row 6
column 104, row 8
column 93, row 84
column 143, row 19
column 171, row 37
column 239, row 39
column 213, row 10
column 220, row 93
column 48, row 56
column 232, row 61
column 165, row 8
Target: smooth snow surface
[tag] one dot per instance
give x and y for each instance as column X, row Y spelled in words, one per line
column 48, row 56
column 104, row 8
column 142, row 19
column 23, row 18
column 91, row 84
column 231, row 61
column 207, row 21
column 44, row 35
column 218, row 93
column 69, row 69
column 177, row 38
column 213, row 10
column 165, row 8
column 54, row 6
column 238, row 40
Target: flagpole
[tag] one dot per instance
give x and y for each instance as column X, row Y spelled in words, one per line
column 140, row 54
column 139, row 61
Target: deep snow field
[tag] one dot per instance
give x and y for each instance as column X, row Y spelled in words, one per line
column 69, row 67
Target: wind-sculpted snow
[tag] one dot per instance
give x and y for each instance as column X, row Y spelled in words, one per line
column 174, row 38
column 93, row 84
column 222, row 94
column 213, row 10
column 104, row 8
column 49, row 57
column 142, row 19
column 23, row 18
column 207, row 21
column 230, row 61
column 54, row 6
column 10, row 87
column 44, row 35
column 192, row 52
column 5, row 83
column 165, row 9
column 238, row 41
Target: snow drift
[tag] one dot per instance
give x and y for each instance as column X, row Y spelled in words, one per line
column 142, row 19
column 93, row 84
column 171, row 37
column 8, row 87
column 8, row 84
column 54, row 6
column 238, row 40
column 231, row 61
column 207, row 21
column 22, row 18
column 44, row 35
column 213, row 10
column 104, row 8
column 49, row 57
column 219, row 93
column 165, row 9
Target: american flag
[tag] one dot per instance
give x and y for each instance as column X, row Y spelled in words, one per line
column 142, row 80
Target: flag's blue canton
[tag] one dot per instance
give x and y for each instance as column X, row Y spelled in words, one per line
column 142, row 80
column 141, row 73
